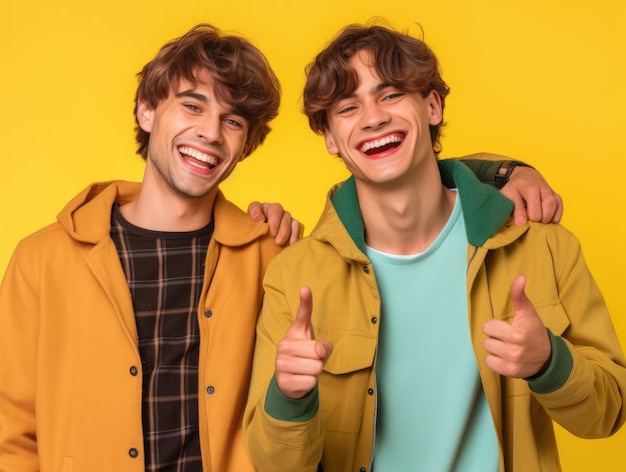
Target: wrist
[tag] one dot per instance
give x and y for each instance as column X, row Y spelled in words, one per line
column 503, row 174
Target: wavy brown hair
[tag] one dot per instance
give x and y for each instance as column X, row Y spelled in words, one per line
column 242, row 77
column 401, row 61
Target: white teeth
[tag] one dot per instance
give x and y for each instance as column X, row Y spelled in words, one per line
column 209, row 159
column 380, row 143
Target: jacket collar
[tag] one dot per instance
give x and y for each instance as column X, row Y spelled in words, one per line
column 485, row 211
column 87, row 217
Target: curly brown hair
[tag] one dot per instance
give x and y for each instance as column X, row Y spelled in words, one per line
column 242, row 77
column 401, row 61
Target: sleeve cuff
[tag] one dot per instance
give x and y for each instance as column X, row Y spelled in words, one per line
column 281, row 407
column 484, row 170
column 557, row 372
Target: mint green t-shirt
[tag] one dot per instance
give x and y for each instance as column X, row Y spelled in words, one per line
column 432, row 414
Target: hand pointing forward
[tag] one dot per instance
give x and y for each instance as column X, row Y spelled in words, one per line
column 522, row 348
column 300, row 358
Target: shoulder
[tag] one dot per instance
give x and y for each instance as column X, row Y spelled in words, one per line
column 234, row 227
column 309, row 256
column 530, row 232
column 552, row 232
column 48, row 250
column 47, row 239
column 537, row 243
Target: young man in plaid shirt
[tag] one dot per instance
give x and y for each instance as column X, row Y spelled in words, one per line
column 128, row 325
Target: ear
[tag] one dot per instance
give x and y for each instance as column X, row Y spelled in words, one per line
column 330, row 143
column 435, row 108
column 145, row 115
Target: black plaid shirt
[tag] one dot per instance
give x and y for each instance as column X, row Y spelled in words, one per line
column 165, row 273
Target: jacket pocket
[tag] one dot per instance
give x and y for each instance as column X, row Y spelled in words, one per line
column 351, row 351
column 346, row 380
column 554, row 318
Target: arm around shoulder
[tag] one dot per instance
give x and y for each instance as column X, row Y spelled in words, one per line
column 533, row 197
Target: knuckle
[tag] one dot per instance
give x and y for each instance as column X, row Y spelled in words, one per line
column 280, row 364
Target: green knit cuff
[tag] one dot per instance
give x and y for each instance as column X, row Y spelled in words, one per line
column 284, row 408
column 558, row 371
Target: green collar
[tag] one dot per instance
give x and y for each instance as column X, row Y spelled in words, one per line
column 485, row 209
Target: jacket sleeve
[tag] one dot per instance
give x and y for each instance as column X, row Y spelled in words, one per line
column 484, row 165
column 292, row 439
column 18, row 358
column 590, row 403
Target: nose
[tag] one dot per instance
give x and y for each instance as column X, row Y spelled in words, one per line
column 374, row 115
column 209, row 128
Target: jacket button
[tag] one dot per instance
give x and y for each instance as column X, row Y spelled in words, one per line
column 208, row 313
column 210, row 390
column 134, row 453
column 366, row 269
column 134, row 370
column 374, row 320
column 370, row 391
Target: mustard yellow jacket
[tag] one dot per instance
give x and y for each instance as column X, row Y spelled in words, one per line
column 583, row 390
column 68, row 343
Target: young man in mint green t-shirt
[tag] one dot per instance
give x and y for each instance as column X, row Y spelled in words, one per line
column 418, row 327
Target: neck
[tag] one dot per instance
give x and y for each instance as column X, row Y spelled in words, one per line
column 169, row 212
column 408, row 219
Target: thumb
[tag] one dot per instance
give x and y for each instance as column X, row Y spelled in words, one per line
column 302, row 328
column 323, row 349
column 255, row 211
column 520, row 213
column 521, row 303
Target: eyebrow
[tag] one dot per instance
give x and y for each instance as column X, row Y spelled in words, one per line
column 378, row 88
column 195, row 95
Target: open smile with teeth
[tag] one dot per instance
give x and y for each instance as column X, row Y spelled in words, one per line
column 209, row 159
column 382, row 144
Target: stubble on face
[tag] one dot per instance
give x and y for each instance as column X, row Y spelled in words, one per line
column 195, row 142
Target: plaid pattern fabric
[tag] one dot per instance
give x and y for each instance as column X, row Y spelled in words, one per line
column 165, row 273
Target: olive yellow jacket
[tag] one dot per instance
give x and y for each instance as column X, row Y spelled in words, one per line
column 583, row 389
column 70, row 371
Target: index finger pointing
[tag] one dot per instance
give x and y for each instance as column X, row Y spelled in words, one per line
column 302, row 327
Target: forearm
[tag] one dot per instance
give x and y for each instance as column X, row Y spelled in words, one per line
column 485, row 171
column 486, row 166
column 282, row 446
column 590, row 403
column 281, row 434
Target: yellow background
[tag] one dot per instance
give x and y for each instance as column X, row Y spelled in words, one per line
column 543, row 81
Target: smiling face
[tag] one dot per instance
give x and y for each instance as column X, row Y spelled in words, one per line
column 196, row 140
column 381, row 132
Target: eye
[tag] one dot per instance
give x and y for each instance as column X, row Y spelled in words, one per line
column 346, row 109
column 235, row 122
column 193, row 107
column 392, row 95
